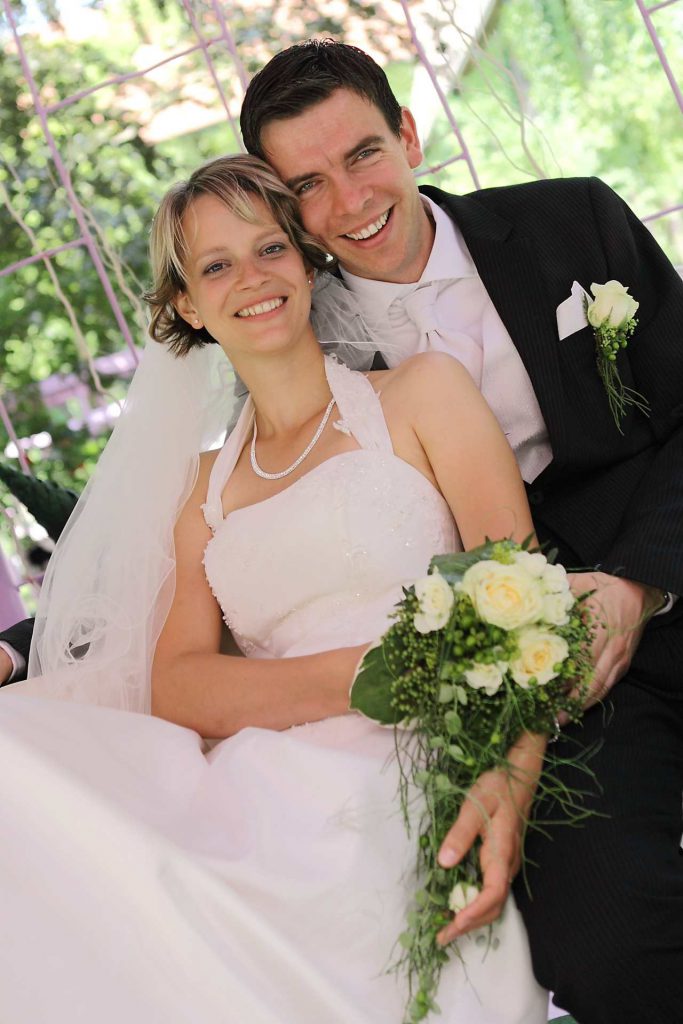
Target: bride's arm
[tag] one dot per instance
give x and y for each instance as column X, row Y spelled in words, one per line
column 477, row 473
column 218, row 694
column 464, row 447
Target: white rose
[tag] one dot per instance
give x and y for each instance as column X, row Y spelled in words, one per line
column 555, row 579
column 539, row 652
column 556, row 608
column 435, row 598
column 535, row 563
column 504, row 595
column 461, row 896
column 486, row 677
column 613, row 305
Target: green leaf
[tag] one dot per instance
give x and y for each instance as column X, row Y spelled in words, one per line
column 371, row 689
column 453, row 721
column 446, row 693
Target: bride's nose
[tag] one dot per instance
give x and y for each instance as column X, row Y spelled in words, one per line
column 251, row 272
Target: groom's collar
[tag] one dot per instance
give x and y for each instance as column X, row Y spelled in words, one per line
column 448, row 259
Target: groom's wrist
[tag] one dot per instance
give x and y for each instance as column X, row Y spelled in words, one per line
column 11, row 663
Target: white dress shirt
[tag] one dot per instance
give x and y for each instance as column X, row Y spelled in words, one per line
column 449, row 310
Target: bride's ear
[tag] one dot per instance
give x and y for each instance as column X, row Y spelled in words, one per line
column 184, row 308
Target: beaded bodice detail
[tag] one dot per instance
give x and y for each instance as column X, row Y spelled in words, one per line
column 322, row 563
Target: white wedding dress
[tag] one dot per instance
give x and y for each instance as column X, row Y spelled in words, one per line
column 148, row 880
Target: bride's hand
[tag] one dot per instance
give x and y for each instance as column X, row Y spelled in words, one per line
column 497, row 809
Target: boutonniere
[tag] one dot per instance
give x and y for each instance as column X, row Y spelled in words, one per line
column 611, row 314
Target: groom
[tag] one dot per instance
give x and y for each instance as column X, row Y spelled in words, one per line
column 497, row 279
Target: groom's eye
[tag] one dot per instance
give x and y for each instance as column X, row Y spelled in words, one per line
column 305, row 187
column 366, row 153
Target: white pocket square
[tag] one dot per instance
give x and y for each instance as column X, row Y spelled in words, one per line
column 571, row 315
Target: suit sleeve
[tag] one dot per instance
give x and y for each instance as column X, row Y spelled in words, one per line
column 19, row 637
column 649, row 544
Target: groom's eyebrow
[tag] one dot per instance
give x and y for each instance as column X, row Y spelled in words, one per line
column 368, row 140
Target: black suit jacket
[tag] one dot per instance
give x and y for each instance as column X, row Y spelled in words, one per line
column 609, row 499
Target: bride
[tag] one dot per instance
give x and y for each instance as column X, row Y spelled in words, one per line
column 151, row 876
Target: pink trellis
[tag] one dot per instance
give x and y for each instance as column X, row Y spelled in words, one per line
column 206, row 44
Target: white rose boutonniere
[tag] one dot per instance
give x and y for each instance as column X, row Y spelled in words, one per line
column 612, row 317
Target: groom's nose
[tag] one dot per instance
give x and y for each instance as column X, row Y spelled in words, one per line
column 349, row 197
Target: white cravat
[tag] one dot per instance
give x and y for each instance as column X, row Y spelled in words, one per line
column 449, row 310
column 422, row 308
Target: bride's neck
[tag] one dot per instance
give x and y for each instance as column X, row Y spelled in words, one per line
column 287, row 391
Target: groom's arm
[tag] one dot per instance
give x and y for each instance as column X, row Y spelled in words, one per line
column 16, row 642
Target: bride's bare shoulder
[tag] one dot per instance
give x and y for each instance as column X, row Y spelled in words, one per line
column 424, row 371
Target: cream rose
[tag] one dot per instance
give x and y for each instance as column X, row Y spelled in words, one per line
column 461, row 896
column 435, row 598
column 504, row 595
column 555, row 579
column 556, row 608
column 535, row 562
column 612, row 307
column 539, row 652
column 486, row 677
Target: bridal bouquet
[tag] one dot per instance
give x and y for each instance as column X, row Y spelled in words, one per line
column 489, row 645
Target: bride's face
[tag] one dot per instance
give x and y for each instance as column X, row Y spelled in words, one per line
column 246, row 283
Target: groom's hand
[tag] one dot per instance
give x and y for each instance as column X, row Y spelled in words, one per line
column 497, row 808
column 6, row 666
column 620, row 610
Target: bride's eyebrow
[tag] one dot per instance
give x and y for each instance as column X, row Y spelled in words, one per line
column 368, row 140
column 222, row 250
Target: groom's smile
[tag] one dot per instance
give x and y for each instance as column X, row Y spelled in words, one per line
column 354, row 180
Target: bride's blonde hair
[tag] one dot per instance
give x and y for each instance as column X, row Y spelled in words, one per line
column 235, row 181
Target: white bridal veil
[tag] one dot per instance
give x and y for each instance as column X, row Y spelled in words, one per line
column 109, row 584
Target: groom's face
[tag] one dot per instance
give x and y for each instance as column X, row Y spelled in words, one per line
column 354, row 180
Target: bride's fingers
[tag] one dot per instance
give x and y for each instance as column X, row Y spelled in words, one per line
column 487, row 907
column 461, row 834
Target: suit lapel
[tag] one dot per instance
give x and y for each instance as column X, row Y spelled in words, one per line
column 513, row 277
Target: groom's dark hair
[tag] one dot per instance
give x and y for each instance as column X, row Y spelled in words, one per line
column 308, row 73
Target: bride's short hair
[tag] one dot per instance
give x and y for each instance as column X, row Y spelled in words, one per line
column 235, row 181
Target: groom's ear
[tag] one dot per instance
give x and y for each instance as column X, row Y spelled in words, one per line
column 184, row 308
column 410, row 138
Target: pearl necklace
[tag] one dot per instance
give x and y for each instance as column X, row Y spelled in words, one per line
column 297, row 462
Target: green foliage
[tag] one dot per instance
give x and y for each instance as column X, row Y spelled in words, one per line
column 459, row 729
column 569, row 87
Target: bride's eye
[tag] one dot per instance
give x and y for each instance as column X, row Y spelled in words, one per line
column 215, row 268
column 274, row 249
